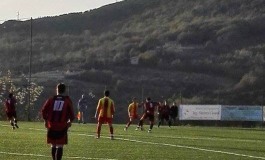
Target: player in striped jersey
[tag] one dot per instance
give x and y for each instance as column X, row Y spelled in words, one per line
column 104, row 113
column 132, row 112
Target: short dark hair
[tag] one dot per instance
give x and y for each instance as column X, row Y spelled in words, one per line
column 10, row 95
column 61, row 88
column 106, row 93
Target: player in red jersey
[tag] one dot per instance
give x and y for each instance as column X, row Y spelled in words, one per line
column 58, row 114
column 132, row 112
column 149, row 112
column 173, row 113
column 105, row 111
column 11, row 113
column 163, row 114
column 160, row 113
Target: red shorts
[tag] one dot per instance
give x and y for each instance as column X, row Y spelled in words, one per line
column 103, row 120
column 134, row 116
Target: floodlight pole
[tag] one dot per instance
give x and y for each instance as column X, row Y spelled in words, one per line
column 262, row 105
column 180, row 96
column 29, row 81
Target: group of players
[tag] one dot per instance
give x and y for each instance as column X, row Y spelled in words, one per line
column 58, row 115
column 164, row 112
column 149, row 108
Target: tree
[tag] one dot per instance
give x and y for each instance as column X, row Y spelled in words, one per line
column 7, row 85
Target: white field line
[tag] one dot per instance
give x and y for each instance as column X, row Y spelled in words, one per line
column 20, row 154
column 204, row 138
column 181, row 146
column 38, row 155
column 178, row 146
column 179, row 137
column 194, row 148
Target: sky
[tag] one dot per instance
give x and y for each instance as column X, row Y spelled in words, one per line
column 25, row 9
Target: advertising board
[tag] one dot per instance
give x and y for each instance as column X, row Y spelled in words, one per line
column 241, row 113
column 199, row 112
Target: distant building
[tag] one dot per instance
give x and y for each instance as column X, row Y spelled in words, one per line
column 135, row 60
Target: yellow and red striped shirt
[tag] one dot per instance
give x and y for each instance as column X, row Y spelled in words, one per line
column 105, row 107
column 132, row 109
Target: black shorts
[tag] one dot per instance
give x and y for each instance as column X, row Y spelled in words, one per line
column 56, row 134
column 164, row 116
column 11, row 115
column 57, row 137
column 151, row 117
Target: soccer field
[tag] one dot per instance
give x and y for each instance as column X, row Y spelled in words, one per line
column 177, row 142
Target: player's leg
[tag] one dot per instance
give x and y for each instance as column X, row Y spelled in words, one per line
column 151, row 119
column 57, row 152
column 111, row 131
column 163, row 119
column 175, row 120
column 12, row 124
column 98, row 129
column 128, row 124
column 159, row 120
column 83, row 117
column 15, row 119
column 141, row 122
column 53, row 151
column 9, row 117
column 171, row 119
column 168, row 120
column 78, row 117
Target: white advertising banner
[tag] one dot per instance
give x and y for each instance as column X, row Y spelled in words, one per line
column 200, row 112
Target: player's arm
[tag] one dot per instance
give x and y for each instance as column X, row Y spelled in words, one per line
column 71, row 113
column 98, row 109
column 15, row 101
column 44, row 112
column 129, row 110
column 78, row 105
column 112, row 109
column 96, row 114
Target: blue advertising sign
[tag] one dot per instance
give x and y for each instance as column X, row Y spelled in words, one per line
column 241, row 113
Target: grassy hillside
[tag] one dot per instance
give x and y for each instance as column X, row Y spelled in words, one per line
column 209, row 51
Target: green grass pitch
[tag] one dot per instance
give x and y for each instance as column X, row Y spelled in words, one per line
column 177, row 142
